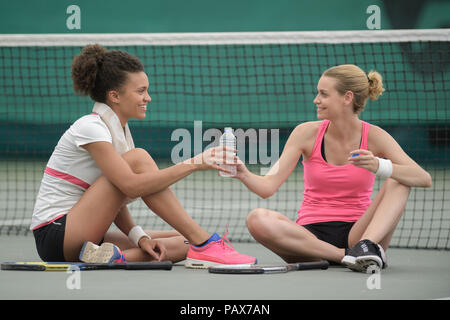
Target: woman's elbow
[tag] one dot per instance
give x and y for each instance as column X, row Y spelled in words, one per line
column 428, row 181
column 267, row 194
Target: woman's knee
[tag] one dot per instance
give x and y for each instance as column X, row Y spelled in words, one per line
column 260, row 222
column 140, row 160
column 393, row 185
column 255, row 217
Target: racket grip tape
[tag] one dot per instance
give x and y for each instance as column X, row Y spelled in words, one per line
column 161, row 265
column 323, row 264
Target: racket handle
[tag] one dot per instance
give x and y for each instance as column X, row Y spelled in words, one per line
column 323, row 264
column 161, row 265
column 24, row 267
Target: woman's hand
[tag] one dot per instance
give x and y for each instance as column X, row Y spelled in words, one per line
column 364, row 159
column 212, row 158
column 241, row 169
column 154, row 248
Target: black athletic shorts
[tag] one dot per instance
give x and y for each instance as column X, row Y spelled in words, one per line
column 333, row 232
column 50, row 240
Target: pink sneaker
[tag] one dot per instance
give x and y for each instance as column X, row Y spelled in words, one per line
column 216, row 252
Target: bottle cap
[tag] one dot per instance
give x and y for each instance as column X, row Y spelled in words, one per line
column 228, row 129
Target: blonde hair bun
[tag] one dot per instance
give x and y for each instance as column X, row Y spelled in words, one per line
column 350, row 77
column 375, row 85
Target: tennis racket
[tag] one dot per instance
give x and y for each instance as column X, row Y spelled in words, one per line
column 64, row 266
column 259, row 269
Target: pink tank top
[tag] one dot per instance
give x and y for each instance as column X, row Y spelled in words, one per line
column 334, row 193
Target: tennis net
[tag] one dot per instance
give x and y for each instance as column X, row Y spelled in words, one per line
column 261, row 84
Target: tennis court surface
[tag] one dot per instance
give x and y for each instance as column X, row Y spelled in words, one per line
column 412, row 274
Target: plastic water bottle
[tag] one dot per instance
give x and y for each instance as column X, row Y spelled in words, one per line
column 228, row 140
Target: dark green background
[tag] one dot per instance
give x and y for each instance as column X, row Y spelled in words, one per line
column 106, row 16
column 37, row 103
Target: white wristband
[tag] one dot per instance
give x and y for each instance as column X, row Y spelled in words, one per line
column 136, row 233
column 384, row 168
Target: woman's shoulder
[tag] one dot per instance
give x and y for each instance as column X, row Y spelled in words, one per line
column 307, row 129
column 92, row 119
column 90, row 125
column 376, row 132
column 88, row 118
column 378, row 139
column 304, row 135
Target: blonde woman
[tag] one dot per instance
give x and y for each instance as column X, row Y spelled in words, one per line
column 342, row 155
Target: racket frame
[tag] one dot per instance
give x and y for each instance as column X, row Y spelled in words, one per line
column 64, row 266
column 269, row 269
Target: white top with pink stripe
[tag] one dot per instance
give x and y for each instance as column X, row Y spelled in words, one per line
column 70, row 170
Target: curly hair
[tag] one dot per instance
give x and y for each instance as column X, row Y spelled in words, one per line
column 96, row 70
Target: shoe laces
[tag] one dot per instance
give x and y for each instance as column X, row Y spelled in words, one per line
column 372, row 246
column 224, row 239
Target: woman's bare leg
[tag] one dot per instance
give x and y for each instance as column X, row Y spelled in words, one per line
column 97, row 209
column 379, row 221
column 292, row 242
column 172, row 240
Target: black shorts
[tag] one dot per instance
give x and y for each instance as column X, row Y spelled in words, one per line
column 333, row 232
column 50, row 240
